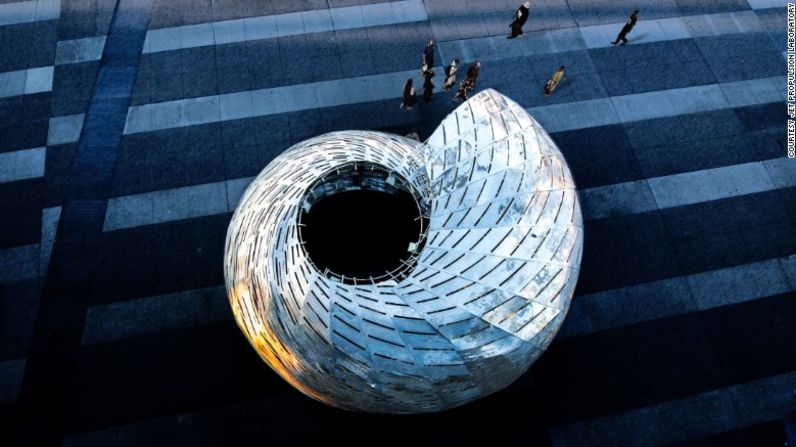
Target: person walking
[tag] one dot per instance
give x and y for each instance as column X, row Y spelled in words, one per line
column 520, row 17
column 450, row 74
column 631, row 22
column 473, row 71
column 409, row 95
column 468, row 84
column 428, row 57
column 464, row 87
column 428, row 86
column 554, row 80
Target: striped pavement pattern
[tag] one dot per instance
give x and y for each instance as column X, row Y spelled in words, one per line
column 710, row 292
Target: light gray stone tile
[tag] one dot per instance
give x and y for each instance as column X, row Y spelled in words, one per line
column 332, row 93
column 290, row 24
column 701, row 98
column 39, row 80
column 409, row 11
column 747, row 21
column 710, row 184
column 575, row 115
column 167, row 115
column 317, row 21
column 19, row 12
column 349, row 17
column 47, row 10
column 767, row 89
column 674, row 28
column 129, row 211
column 377, row 14
column 23, row 164
column 208, row 199
column 202, row 110
column 764, row 4
column 139, row 119
column 12, row 83
column 738, row 94
column 199, row 35
column 170, row 205
column 264, row 27
column 164, row 39
column 64, row 129
column 597, row 36
column 738, row 284
column 29, row 163
column 229, row 31
column 236, row 105
column 235, row 190
column 617, row 200
column 268, row 102
column 635, row 304
column 79, row 50
column 299, row 97
column 723, row 23
column 782, row 171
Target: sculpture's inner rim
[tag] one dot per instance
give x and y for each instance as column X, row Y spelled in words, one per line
column 361, row 223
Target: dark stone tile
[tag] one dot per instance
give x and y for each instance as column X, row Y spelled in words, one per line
column 759, row 343
column 624, row 251
column 166, row 88
column 19, row 302
column 234, row 54
column 599, row 156
column 271, row 128
column 204, row 163
column 15, row 51
column 198, row 59
column 20, row 221
column 239, row 133
column 165, row 63
column 729, row 232
column 675, row 158
column 24, row 135
column 762, row 117
column 56, row 173
column 769, row 433
column 234, row 79
column 241, row 161
column 157, row 372
column 624, row 368
column 267, row 152
column 132, row 174
column 159, row 264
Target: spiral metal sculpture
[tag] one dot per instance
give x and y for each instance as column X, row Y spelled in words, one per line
column 469, row 311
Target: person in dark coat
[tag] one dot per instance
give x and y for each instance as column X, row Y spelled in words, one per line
column 520, row 17
column 428, row 86
column 631, row 22
column 409, row 95
column 472, row 72
column 428, row 57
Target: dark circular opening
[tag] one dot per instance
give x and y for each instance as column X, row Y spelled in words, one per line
column 362, row 224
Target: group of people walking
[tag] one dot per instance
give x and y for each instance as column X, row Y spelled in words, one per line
column 451, row 72
column 467, row 85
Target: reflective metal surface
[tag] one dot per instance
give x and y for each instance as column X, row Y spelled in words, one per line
column 489, row 290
